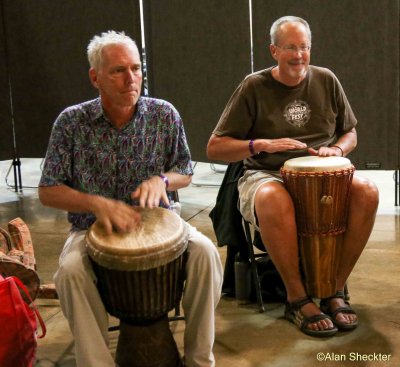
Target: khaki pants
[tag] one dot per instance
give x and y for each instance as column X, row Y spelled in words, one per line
column 82, row 306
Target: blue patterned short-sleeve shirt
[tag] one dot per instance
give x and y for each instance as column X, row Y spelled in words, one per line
column 89, row 154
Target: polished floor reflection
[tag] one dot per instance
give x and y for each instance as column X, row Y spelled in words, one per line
column 244, row 337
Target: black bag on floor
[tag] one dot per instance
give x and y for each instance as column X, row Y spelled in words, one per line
column 272, row 287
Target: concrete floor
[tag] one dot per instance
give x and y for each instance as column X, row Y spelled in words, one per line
column 244, row 337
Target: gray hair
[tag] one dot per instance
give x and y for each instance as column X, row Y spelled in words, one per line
column 275, row 28
column 97, row 43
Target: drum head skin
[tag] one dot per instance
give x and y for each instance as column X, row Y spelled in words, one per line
column 161, row 238
column 317, row 164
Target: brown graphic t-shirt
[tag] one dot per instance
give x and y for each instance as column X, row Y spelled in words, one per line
column 315, row 112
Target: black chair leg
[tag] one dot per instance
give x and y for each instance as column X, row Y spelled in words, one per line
column 253, row 265
column 177, row 315
column 346, row 293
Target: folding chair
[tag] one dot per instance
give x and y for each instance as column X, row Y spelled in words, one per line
column 250, row 240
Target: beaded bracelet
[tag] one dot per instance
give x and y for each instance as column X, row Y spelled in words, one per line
column 336, row 146
column 165, row 179
column 251, row 147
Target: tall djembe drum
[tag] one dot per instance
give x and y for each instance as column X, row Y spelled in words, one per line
column 140, row 278
column 320, row 189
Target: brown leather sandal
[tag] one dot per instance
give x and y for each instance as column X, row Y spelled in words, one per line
column 293, row 314
column 345, row 309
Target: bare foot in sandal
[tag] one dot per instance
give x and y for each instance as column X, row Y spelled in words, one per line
column 311, row 309
column 308, row 317
column 343, row 316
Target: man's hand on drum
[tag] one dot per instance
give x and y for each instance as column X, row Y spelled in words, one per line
column 151, row 192
column 117, row 215
column 325, row 152
column 279, row 145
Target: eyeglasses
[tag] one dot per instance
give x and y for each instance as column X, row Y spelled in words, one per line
column 294, row 49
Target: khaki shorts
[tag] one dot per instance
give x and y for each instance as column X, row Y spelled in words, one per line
column 248, row 185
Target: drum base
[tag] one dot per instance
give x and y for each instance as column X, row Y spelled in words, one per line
column 320, row 256
column 147, row 345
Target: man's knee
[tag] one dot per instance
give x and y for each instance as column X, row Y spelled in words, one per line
column 203, row 250
column 202, row 253
column 372, row 193
column 73, row 267
column 273, row 198
column 365, row 194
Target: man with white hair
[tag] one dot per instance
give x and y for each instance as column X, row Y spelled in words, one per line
column 294, row 109
column 106, row 157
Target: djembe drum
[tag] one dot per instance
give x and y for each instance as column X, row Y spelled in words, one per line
column 320, row 189
column 140, row 278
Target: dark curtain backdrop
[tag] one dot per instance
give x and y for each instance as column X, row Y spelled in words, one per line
column 6, row 151
column 197, row 53
column 359, row 41
column 47, row 42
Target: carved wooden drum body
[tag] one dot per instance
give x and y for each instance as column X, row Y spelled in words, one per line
column 320, row 189
column 141, row 273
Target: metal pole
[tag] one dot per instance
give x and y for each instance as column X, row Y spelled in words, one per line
column 144, row 60
column 396, row 187
column 16, row 163
column 251, row 36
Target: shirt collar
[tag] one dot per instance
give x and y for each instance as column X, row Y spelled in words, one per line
column 97, row 111
column 141, row 107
